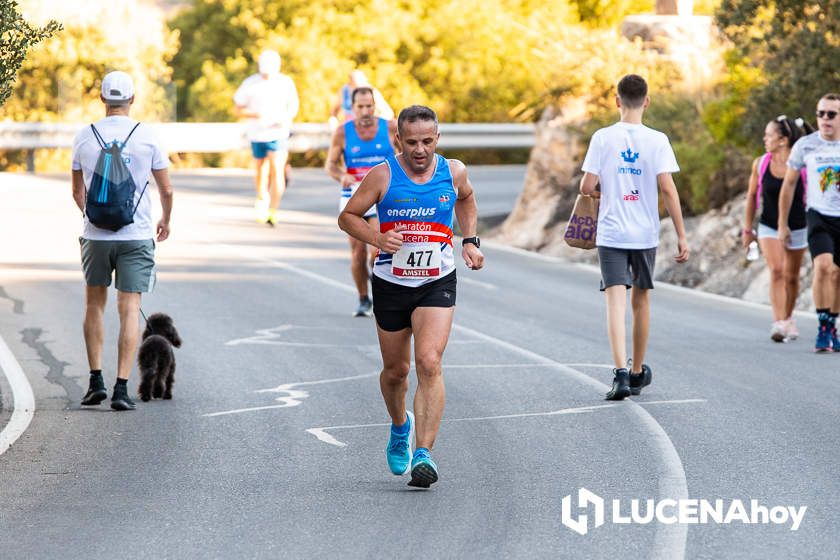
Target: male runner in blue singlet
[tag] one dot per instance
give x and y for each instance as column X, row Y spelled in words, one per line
column 417, row 194
column 356, row 147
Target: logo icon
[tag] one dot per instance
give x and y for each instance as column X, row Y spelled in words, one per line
column 630, row 156
column 580, row 525
column 356, row 149
column 444, row 198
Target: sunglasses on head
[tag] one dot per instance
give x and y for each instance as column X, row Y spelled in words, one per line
column 828, row 115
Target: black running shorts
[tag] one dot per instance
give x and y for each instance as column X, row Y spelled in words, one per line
column 627, row 266
column 823, row 235
column 393, row 304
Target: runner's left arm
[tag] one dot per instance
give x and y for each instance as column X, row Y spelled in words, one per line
column 466, row 210
column 165, row 192
column 671, row 201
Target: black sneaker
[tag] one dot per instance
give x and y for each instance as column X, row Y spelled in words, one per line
column 620, row 388
column 96, row 391
column 640, row 380
column 365, row 308
column 120, row 400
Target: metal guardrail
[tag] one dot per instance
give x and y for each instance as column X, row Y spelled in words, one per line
column 223, row 137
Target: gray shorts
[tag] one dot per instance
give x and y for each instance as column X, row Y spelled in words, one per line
column 133, row 262
column 630, row 267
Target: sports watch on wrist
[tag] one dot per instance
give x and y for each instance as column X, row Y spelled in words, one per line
column 474, row 240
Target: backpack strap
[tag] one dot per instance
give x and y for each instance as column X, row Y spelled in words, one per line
column 141, row 196
column 765, row 163
column 129, row 136
column 98, row 137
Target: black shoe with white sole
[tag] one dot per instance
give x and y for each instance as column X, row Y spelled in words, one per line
column 621, row 385
column 120, row 400
column 96, row 391
column 640, row 380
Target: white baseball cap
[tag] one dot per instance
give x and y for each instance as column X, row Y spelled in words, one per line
column 269, row 62
column 117, row 86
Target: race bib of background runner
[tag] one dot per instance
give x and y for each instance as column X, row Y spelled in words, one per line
column 417, row 260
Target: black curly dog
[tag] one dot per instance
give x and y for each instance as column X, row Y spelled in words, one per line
column 156, row 360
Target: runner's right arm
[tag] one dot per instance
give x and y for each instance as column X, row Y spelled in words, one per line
column 335, row 165
column 589, row 184
column 351, row 220
column 79, row 189
column 785, row 200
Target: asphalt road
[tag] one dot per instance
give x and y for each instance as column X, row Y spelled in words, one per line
column 273, row 446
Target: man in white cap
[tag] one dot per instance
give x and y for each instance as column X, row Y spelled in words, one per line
column 269, row 102
column 127, row 250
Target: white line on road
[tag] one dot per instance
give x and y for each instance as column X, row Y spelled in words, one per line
column 24, row 401
column 479, row 283
column 323, row 435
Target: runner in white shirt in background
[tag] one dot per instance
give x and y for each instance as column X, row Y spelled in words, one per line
column 630, row 160
column 269, row 101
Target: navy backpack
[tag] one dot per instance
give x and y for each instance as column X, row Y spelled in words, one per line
column 110, row 199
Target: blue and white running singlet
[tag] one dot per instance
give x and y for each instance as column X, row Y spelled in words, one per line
column 427, row 210
column 360, row 156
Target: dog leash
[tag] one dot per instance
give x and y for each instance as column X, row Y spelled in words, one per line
column 144, row 315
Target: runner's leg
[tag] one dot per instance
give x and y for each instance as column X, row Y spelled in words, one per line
column 616, row 310
column 395, row 348
column 823, row 283
column 359, row 265
column 431, row 327
column 94, row 325
column 792, row 265
column 128, row 304
column 640, row 301
column 774, row 253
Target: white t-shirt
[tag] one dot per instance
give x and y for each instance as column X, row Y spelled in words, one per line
column 627, row 159
column 142, row 154
column 275, row 100
column 822, row 160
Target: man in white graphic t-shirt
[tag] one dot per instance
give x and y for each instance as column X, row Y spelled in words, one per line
column 125, row 255
column 819, row 154
column 630, row 161
column 269, row 101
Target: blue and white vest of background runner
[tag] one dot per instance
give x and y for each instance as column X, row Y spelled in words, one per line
column 360, row 156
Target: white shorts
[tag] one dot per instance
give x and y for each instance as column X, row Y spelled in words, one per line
column 346, row 194
column 798, row 237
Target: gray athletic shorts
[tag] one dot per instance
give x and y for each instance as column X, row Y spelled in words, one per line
column 132, row 261
column 631, row 267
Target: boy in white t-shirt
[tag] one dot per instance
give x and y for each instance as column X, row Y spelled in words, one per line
column 630, row 160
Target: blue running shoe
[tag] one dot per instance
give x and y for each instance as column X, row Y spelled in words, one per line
column 823, row 343
column 398, row 451
column 424, row 471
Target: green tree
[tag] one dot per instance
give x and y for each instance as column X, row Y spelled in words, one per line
column 16, row 38
column 792, row 47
